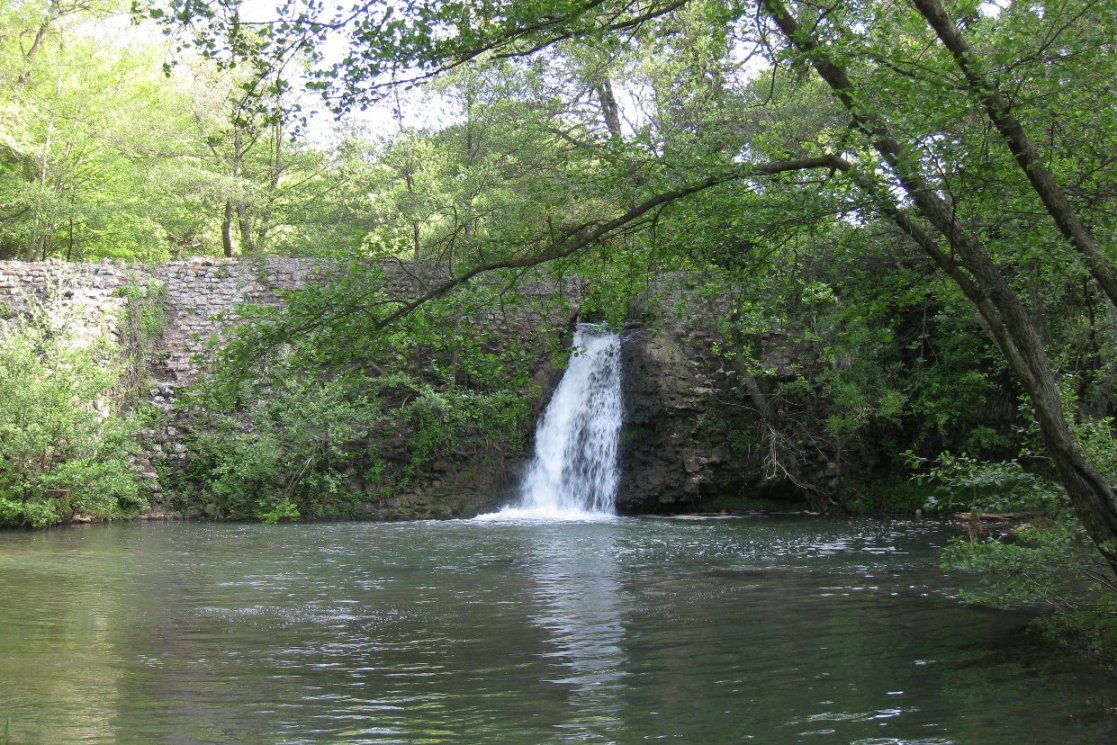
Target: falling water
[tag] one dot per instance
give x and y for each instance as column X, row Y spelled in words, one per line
column 573, row 473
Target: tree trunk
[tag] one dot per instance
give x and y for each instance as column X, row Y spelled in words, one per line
column 53, row 12
column 609, row 108
column 37, row 241
column 227, row 228
column 244, row 219
column 999, row 111
column 1093, row 498
column 264, row 222
column 472, row 150
column 416, row 225
column 244, row 222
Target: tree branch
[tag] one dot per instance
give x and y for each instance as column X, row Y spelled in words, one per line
column 999, row 111
column 574, row 242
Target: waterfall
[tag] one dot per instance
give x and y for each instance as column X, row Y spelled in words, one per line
column 573, row 473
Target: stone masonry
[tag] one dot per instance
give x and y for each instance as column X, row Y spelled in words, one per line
column 202, row 297
column 676, row 421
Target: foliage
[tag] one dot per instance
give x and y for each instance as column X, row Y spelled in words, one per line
column 66, row 444
column 75, row 164
column 988, row 486
column 1048, row 563
column 888, row 497
column 1043, row 560
column 289, row 450
column 332, row 423
column 108, row 150
column 140, row 333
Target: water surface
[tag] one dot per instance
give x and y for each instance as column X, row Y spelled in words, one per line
column 768, row 630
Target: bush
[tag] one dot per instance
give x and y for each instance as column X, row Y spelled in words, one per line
column 965, row 483
column 66, row 446
column 1045, row 561
column 283, row 454
column 305, row 446
column 315, row 426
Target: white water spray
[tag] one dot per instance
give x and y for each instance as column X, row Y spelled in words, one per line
column 574, row 474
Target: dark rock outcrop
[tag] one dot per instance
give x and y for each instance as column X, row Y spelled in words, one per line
column 666, row 452
column 699, row 428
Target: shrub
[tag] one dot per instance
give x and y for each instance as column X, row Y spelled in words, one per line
column 65, row 445
column 287, row 448
column 287, row 427
column 1045, row 561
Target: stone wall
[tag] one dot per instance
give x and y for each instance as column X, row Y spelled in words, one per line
column 202, row 297
column 85, row 298
column 201, row 301
column 683, row 407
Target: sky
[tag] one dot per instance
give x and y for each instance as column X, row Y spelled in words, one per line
column 418, row 109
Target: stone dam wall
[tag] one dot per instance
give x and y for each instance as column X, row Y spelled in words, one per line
column 201, row 298
column 676, row 449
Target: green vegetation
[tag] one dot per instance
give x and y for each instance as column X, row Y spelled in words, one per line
column 1026, row 541
column 66, row 441
column 321, row 429
column 141, row 332
column 1038, row 555
column 899, row 497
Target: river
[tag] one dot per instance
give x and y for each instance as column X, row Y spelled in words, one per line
column 764, row 629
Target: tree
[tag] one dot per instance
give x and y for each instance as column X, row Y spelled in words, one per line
column 906, row 142
column 983, row 87
column 243, row 112
column 983, row 283
column 50, row 160
column 92, row 135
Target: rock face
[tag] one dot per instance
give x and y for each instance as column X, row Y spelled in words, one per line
column 697, row 428
column 674, row 445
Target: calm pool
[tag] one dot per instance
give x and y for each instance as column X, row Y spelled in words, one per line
column 765, row 629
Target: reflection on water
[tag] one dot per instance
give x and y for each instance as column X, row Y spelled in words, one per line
column 580, row 603
column 762, row 630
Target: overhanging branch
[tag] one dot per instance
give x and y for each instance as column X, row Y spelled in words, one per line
column 575, row 241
